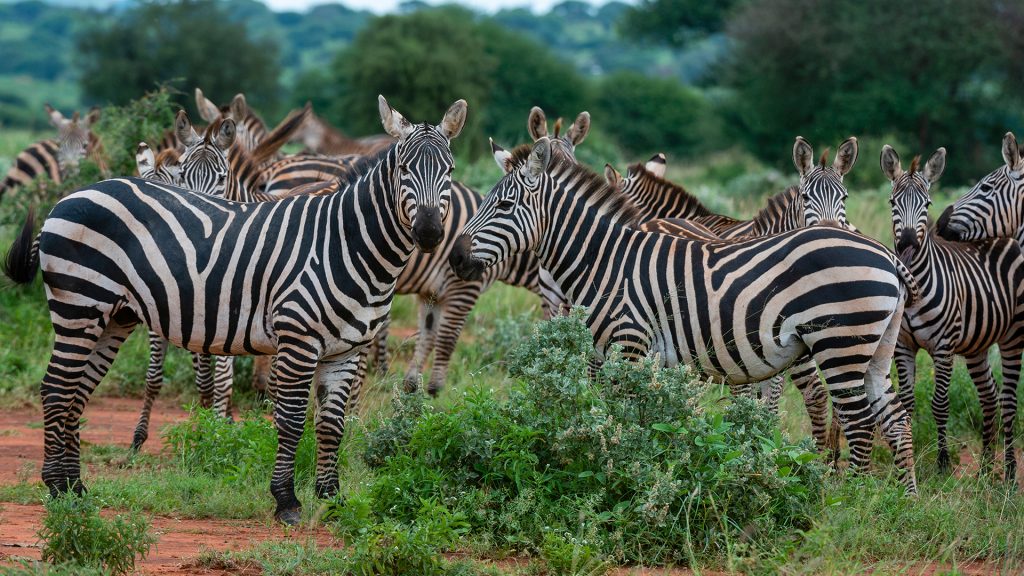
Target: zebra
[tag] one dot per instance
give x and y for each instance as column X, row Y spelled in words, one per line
column 561, row 144
column 994, row 207
column 55, row 159
column 972, row 298
column 320, row 138
column 742, row 310
column 203, row 167
column 291, row 172
column 250, row 129
column 308, row 278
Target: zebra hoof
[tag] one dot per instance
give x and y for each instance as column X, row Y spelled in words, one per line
column 943, row 462
column 327, row 490
column 289, row 516
column 434, row 389
column 411, row 384
column 138, row 440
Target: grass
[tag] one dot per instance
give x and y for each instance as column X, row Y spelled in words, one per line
column 864, row 524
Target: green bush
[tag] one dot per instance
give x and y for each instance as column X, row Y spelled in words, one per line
column 74, row 533
column 640, row 463
column 237, row 452
column 121, row 128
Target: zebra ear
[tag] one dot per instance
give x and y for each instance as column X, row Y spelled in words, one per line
column 144, row 160
column 239, row 107
column 225, row 135
column 656, row 165
column 92, row 117
column 612, row 176
column 56, row 118
column 803, row 156
column 537, row 124
column 846, row 156
column 890, row 162
column 183, row 129
column 501, row 156
column 454, row 119
column 539, row 158
column 208, row 111
column 579, row 129
column 1011, row 152
column 935, row 165
column 394, row 123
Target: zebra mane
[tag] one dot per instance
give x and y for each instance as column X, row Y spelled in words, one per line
column 592, row 187
column 824, row 157
column 362, row 166
column 778, row 203
column 914, row 164
column 670, row 188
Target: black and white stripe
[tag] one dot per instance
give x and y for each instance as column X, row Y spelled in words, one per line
column 55, row 159
column 972, row 297
column 742, row 311
column 309, row 278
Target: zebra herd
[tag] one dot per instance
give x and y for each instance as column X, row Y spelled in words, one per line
column 225, row 247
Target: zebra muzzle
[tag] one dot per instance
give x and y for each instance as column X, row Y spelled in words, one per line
column 461, row 259
column 427, row 228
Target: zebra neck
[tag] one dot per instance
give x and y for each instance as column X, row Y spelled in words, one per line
column 661, row 200
column 580, row 244
column 783, row 212
column 924, row 263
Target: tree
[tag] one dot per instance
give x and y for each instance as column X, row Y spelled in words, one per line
column 675, row 22
column 191, row 40
column 421, row 62
column 931, row 73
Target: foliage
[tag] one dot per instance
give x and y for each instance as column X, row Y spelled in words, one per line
column 122, row 128
column 74, row 532
column 237, row 452
column 650, row 115
column 156, row 42
column 639, row 463
column 948, row 75
column 676, row 22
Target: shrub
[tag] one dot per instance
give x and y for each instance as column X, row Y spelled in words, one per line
column 121, row 128
column 639, row 463
column 236, row 452
column 74, row 533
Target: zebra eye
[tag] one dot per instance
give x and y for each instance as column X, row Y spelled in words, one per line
column 403, row 167
column 506, row 205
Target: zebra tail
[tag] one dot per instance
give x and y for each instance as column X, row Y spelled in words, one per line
column 913, row 290
column 22, row 259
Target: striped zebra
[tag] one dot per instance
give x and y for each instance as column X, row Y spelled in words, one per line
column 291, row 172
column 250, row 129
column 55, row 159
column 742, row 311
column 994, row 207
column 320, row 138
column 308, row 278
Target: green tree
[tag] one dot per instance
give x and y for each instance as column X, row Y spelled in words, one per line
column 930, row 73
column 191, row 40
column 649, row 115
column 421, row 62
column 675, row 22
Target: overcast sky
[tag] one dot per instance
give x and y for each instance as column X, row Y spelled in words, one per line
column 381, row 6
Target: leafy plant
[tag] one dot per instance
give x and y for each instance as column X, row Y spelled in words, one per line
column 73, row 532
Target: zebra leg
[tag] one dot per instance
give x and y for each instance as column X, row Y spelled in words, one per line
column 202, row 364
column 352, row 408
column 95, row 368
column 940, row 403
column 906, row 370
column 981, row 374
column 1011, row 360
column 295, row 367
column 771, row 392
column 428, row 313
column 888, row 412
column 261, row 368
column 379, row 349
column 805, row 377
column 334, row 382
column 450, row 322
column 223, row 381
column 154, row 381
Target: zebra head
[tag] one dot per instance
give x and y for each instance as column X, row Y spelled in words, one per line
column 507, row 221
column 250, row 129
column 73, row 137
column 562, row 145
column 161, row 168
column 994, row 208
column 821, row 186
column 423, row 171
column 910, row 198
column 203, row 166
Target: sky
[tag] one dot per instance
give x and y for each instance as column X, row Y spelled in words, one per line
column 381, row 6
